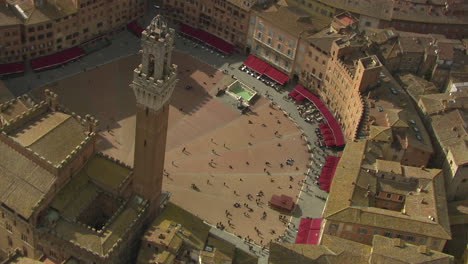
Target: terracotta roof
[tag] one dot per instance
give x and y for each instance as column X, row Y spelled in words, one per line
column 416, row 11
column 449, row 129
column 47, row 12
column 388, row 166
column 348, row 202
column 416, row 86
column 338, row 250
column 397, row 251
column 7, row 17
column 23, row 184
column 292, row 20
column 322, row 39
column 286, row 253
column 53, row 135
column 197, row 230
column 381, row 133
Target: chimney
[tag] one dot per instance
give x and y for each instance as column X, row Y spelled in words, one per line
column 424, row 250
column 397, row 242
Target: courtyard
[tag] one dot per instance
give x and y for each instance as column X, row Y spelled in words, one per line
column 229, row 157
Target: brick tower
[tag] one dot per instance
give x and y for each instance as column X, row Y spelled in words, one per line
column 153, row 83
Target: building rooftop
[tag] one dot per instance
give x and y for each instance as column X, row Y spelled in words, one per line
column 217, row 251
column 243, row 4
column 23, row 183
column 165, row 237
column 26, row 12
column 322, row 40
column 14, row 107
column 342, row 251
column 53, row 135
column 416, row 86
column 395, row 250
column 101, row 242
column 356, row 185
column 290, row 19
column 450, row 130
column 391, row 106
column 18, row 259
column 98, row 173
column 413, row 10
column 196, row 231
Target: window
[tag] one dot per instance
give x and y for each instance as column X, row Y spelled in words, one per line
column 388, row 234
column 276, row 58
column 389, row 195
column 31, row 29
column 280, row 38
column 10, row 241
column 279, row 47
column 435, row 243
column 8, row 227
column 410, row 238
column 259, row 35
column 400, row 198
column 269, row 41
column 289, row 52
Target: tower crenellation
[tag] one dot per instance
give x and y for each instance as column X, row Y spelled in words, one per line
column 155, row 78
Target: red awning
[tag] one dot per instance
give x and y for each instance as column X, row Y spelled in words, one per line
column 276, row 75
column 332, row 123
column 56, row 59
column 328, row 171
column 256, row 64
column 308, row 231
column 299, row 97
column 208, row 38
column 293, row 93
column 282, row 202
column 11, row 68
column 135, row 28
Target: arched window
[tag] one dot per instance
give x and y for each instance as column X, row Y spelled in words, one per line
column 147, row 111
column 151, row 65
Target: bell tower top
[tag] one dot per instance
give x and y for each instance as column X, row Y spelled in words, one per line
column 154, row 79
